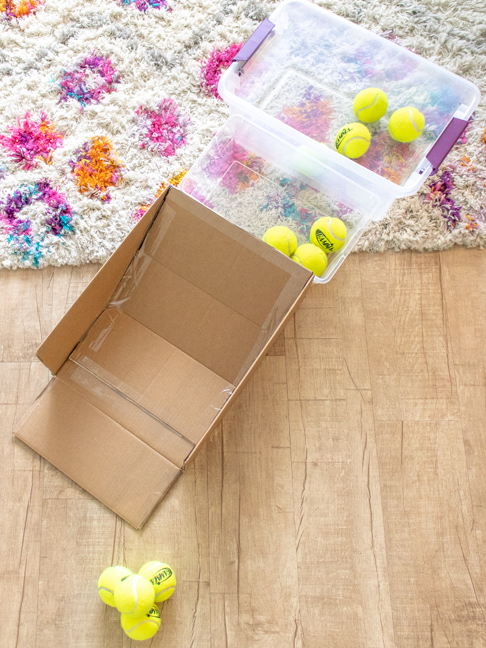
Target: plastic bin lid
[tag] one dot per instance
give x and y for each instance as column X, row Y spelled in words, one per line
column 299, row 73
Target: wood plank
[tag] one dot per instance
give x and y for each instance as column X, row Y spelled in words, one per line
column 339, row 503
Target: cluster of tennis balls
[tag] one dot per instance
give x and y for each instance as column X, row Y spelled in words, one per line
column 327, row 235
column 136, row 596
column 405, row 124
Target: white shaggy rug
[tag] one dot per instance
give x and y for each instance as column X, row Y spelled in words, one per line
column 102, row 101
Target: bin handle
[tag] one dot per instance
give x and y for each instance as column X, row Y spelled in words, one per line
column 445, row 142
column 255, row 40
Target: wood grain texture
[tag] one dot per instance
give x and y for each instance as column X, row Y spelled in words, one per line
column 341, row 502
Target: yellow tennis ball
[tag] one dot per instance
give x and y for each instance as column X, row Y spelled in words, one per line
column 353, row 140
column 306, row 160
column 162, row 578
column 328, row 233
column 406, row 124
column 311, row 257
column 370, row 105
column 134, row 595
column 143, row 626
column 108, row 581
column 282, row 239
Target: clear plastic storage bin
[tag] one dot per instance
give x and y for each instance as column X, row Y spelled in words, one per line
column 257, row 180
column 304, row 76
column 291, row 89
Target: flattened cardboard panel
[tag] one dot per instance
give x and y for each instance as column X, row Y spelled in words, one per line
column 140, row 423
column 58, row 345
column 220, row 265
column 189, row 318
column 171, row 385
column 98, row 454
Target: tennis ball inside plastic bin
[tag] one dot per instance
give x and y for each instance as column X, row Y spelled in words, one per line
column 281, row 238
column 353, row 140
column 311, row 257
column 406, row 124
column 306, row 160
column 328, row 234
column 370, row 105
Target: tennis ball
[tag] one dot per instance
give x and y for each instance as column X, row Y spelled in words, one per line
column 328, row 233
column 281, row 238
column 370, row 105
column 107, row 582
column 143, row 626
column 134, row 595
column 311, row 257
column 162, row 578
column 353, row 140
column 305, row 161
column 406, row 124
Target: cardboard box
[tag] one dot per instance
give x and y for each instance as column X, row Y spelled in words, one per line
column 155, row 350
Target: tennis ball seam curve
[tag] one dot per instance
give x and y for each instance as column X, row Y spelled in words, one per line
column 412, row 120
column 140, row 623
column 339, row 238
column 135, row 595
column 106, row 589
column 356, row 137
column 366, row 107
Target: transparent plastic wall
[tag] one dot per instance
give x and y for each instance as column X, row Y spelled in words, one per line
column 304, row 78
column 257, row 180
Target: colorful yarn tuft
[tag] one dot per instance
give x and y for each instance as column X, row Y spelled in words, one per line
column 284, row 204
column 144, row 5
column 174, row 180
column 311, row 116
column 57, row 219
column 238, row 167
column 162, row 130
column 3, row 172
column 31, row 140
column 96, row 168
column 386, row 157
column 440, row 194
column 213, row 67
column 20, row 9
column 88, row 80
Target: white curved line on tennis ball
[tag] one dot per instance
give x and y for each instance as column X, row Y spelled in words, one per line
column 366, row 107
column 135, row 595
column 140, row 623
column 356, row 137
column 413, row 121
column 339, row 238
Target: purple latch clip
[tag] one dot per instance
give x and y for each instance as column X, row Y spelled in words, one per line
column 255, row 40
column 449, row 136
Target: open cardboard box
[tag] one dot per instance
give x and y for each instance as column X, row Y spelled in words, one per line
column 155, row 350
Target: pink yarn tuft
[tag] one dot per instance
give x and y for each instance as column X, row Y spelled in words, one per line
column 214, row 66
column 31, row 140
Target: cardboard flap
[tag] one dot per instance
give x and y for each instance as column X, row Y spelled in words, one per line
column 97, row 453
column 58, row 345
column 155, row 375
column 128, row 414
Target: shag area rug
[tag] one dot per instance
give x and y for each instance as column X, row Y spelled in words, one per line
column 102, row 102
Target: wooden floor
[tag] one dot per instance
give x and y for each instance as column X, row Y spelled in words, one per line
column 342, row 502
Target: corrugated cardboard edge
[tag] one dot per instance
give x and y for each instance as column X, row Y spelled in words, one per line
column 56, row 348
column 251, row 370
